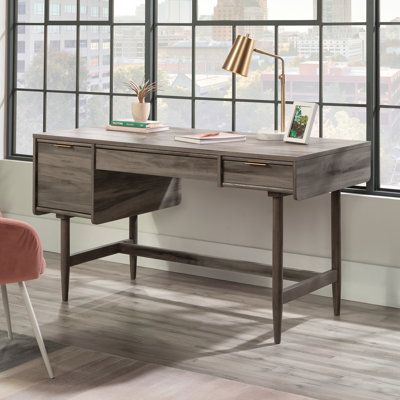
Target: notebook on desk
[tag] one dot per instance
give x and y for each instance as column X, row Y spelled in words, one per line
column 211, row 137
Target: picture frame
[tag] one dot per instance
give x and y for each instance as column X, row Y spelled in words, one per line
column 301, row 123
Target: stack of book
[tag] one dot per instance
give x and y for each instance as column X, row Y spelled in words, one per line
column 211, row 137
column 128, row 125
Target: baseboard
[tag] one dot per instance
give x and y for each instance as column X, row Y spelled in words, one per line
column 372, row 284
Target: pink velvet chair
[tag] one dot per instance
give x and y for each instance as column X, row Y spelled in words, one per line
column 21, row 260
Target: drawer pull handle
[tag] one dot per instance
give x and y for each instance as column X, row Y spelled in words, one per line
column 64, row 146
column 254, row 164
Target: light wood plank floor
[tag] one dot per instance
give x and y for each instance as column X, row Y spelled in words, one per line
column 211, row 329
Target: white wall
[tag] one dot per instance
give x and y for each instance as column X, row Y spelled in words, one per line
column 237, row 223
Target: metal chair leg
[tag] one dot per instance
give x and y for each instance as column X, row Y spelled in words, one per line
column 7, row 310
column 36, row 328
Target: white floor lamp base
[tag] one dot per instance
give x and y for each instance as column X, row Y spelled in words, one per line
column 273, row 136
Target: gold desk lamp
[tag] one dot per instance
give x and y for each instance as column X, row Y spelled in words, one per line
column 238, row 62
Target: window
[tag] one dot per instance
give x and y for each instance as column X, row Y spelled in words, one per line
column 93, row 47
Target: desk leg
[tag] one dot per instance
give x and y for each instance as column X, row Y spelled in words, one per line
column 65, row 254
column 336, row 249
column 133, row 235
column 277, row 266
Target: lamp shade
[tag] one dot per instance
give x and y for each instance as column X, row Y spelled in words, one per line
column 238, row 60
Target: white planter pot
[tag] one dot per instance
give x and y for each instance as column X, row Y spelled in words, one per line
column 140, row 111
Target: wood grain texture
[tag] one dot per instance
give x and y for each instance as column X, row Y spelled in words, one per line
column 266, row 175
column 252, row 148
column 90, row 375
column 247, row 267
column 119, row 195
column 65, row 240
column 336, row 248
column 133, row 237
column 277, row 265
column 332, row 172
column 178, row 166
column 221, row 329
column 308, row 286
column 64, row 177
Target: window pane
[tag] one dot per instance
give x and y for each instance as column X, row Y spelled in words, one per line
column 122, row 107
column 344, row 10
column 344, row 64
column 61, row 58
column 175, row 11
column 175, row 112
column 94, row 60
column 256, row 10
column 390, row 148
column 93, row 110
column 29, row 119
column 212, row 46
column 345, row 123
column 175, row 60
column 129, row 11
column 299, row 46
column 260, row 82
column 128, row 56
column 30, row 10
column 60, row 113
column 62, row 10
column 30, row 41
column 390, row 10
column 390, row 65
column 255, row 117
column 94, row 10
column 214, row 115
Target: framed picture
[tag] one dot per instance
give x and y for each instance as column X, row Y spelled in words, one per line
column 301, row 123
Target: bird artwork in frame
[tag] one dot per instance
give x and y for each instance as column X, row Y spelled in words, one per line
column 301, row 123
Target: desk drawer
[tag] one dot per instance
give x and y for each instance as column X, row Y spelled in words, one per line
column 169, row 165
column 258, row 174
column 64, row 177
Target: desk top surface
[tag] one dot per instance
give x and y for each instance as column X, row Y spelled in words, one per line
column 251, row 148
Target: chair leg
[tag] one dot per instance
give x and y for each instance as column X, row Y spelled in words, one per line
column 36, row 328
column 7, row 310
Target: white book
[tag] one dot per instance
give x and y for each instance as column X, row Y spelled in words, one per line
column 211, row 137
column 137, row 130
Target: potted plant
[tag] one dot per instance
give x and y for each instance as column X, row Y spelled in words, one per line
column 141, row 109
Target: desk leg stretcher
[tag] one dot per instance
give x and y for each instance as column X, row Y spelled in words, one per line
column 307, row 281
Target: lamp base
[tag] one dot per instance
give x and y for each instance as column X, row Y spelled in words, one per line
column 273, row 136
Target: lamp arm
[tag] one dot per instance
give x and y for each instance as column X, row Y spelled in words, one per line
column 282, row 78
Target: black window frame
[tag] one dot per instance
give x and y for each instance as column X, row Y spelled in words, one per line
column 151, row 25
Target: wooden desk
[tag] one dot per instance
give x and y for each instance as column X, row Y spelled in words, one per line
column 105, row 176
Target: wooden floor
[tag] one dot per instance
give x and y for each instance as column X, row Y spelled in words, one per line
column 168, row 329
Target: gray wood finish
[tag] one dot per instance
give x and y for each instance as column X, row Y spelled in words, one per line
column 125, row 175
column 133, row 237
column 93, row 254
column 277, row 265
column 246, row 267
column 336, row 246
column 308, row 286
column 211, row 327
column 164, row 141
column 159, row 164
column 64, row 177
column 261, row 174
column 332, row 172
column 119, row 195
column 65, row 255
